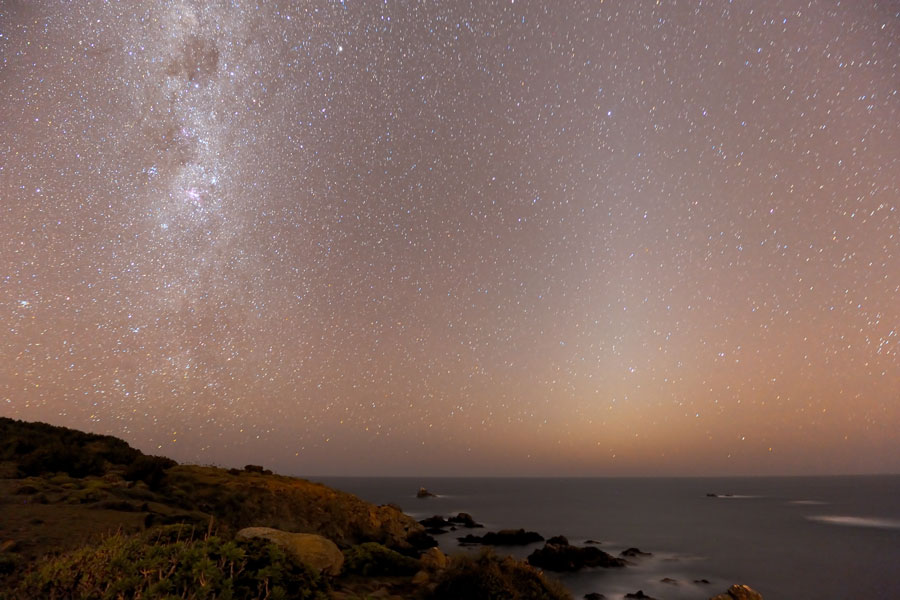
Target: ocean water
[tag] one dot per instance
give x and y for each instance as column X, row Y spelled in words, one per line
column 797, row 538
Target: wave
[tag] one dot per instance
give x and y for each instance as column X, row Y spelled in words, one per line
column 851, row 521
column 735, row 496
column 807, row 502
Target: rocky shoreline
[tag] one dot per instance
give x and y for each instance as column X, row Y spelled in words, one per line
column 558, row 555
column 85, row 514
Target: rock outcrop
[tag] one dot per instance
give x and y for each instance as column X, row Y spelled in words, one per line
column 504, row 537
column 319, row 553
column 437, row 524
column 464, row 520
column 739, row 592
column 291, row 504
column 565, row 557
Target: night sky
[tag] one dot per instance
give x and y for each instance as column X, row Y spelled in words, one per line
column 466, row 237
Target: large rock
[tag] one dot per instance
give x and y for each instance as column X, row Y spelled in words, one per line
column 424, row 493
column 504, row 537
column 739, row 592
column 564, row 557
column 464, row 519
column 314, row 551
column 434, row 560
column 435, row 522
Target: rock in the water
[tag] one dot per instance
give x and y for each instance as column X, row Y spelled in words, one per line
column 594, row 596
column 669, row 580
column 595, row 542
column 466, row 520
column 739, row 592
column 436, row 521
column 504, row 537
column 559, row 540
column 639, row 595
column 314, row 551
column 634, row 553
column 703, row 581
column 564, row 557
column 423, row 493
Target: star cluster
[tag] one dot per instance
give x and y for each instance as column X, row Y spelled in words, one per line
column 457, row 238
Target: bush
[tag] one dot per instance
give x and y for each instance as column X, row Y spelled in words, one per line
column 149, row 469
column 40, row 448
column 486, row 577
column 374, row 560
column 169, row 562
column 55, row 457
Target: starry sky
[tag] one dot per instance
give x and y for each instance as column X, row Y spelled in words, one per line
column 457, row 238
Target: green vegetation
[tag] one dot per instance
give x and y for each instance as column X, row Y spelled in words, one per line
column 486, row 576
column 62, row 493
column 374, row 560
column 170, row 562
column 39, row 448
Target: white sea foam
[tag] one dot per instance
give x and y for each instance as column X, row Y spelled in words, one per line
column 856, row 521
column 736, row 496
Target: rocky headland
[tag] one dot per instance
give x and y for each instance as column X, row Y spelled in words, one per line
column 88, row 516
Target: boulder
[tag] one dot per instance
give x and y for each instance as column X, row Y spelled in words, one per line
column 639, row 595
column 314, row 551
column 434, row 560
column 423, row 493
column 669, row 580
column 634, row 553
column 504, row 537
column 565, row 557
column 559, row 540
column 466, row 520
column 435, row 525
column 739, row 592
column 594, row 596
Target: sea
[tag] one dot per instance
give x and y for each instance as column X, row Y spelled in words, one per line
column 791, row 538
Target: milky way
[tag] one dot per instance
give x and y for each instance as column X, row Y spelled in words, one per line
column 458, row 237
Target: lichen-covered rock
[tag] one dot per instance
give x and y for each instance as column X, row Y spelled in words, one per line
column 434, row 560
column 739, row 592
column 314, row 551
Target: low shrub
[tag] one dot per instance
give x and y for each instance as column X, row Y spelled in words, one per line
column 170, row 562
column 374, row 560
column 149, row 469
column 485, row 576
